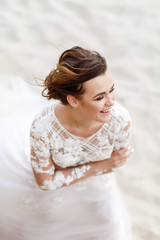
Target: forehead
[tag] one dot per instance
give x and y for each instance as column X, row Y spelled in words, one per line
column 102, row 83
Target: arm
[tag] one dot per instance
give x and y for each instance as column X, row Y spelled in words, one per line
column 123, row 136
column 121, row 143
column 63, row 177
column 48, row 178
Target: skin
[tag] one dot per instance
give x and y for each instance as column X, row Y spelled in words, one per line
column 84, row 117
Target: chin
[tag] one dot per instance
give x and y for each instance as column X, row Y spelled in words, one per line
column 106, row 119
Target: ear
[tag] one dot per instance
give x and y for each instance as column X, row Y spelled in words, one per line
column 72, row 101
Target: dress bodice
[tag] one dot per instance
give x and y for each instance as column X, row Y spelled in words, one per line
column 49, row 139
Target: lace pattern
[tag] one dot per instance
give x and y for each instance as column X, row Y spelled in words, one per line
column 60, row 179
column 52, row 144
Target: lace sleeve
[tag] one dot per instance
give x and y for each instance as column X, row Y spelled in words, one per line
column 123, row 131
column 40, row 151
column 42, row 164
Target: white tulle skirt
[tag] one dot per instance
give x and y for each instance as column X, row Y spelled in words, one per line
column 89, row 210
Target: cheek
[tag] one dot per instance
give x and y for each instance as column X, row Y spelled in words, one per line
column 92, row 107
column 98, row 105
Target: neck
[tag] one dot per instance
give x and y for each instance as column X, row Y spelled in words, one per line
column 73, row 117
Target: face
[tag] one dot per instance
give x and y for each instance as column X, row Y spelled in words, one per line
column 98, row 99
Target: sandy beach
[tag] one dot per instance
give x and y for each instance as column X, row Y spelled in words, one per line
column 127, row 33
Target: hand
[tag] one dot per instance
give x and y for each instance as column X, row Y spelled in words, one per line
column 118, row 158
column 58, row 168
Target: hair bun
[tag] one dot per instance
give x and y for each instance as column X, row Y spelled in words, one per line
column 50, row 87
column 75, row 66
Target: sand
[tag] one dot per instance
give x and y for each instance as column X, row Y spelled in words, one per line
column 127, row 33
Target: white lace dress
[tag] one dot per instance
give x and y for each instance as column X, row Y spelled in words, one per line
column 91, row 209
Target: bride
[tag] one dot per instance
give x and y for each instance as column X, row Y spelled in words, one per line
column 76, row 142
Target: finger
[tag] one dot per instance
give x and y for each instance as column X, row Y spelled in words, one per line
column 130, row 152
column 121, row 163
column 123, row 151
column 126, row 155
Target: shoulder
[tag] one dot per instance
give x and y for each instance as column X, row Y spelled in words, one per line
column 121, row 118
column 42, row 121
column 120, row 113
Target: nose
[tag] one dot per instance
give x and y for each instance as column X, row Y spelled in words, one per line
column 109, row 101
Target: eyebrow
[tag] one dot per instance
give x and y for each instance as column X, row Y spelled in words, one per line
column 101, row 93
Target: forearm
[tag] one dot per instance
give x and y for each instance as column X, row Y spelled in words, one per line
column 71, row 175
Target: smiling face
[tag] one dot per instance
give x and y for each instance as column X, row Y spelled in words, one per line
column 98, row 98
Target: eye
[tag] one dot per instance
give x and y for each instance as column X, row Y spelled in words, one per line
column 112, row 90
column 99, row 98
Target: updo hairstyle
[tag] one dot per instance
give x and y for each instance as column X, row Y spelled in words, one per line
column 75, row 66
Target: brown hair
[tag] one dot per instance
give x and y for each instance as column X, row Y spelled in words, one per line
column 75, row 66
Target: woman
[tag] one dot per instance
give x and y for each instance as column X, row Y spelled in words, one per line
column 76, row 143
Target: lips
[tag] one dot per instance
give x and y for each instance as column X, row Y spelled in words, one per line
column 105, row 111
